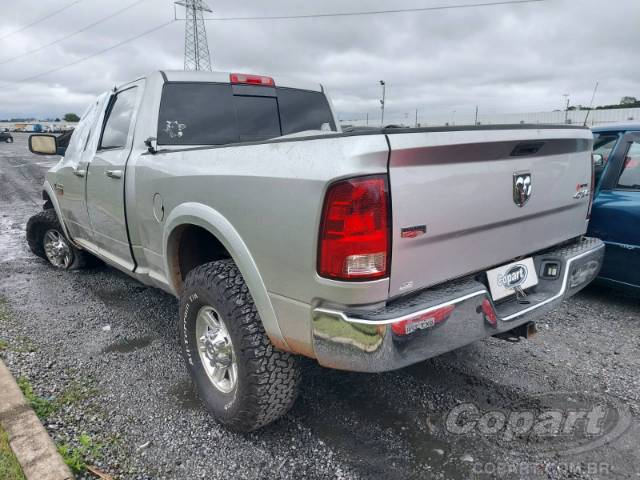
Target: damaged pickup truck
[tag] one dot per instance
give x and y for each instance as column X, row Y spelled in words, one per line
column 283, row 235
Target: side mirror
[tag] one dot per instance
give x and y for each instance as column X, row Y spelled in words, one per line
column 598, row 160
column 43, row 144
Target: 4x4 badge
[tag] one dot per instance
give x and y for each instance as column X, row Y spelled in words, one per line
column 521, row 188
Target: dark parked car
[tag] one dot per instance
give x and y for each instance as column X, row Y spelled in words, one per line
column 615, row 216
column 6, row 137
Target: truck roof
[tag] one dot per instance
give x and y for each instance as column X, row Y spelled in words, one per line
column 620, row 127
column 223, row 77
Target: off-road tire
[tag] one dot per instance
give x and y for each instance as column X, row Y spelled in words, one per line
column 267, row 378
column 46, row 220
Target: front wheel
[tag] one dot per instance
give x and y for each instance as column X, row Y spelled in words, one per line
column 243, row 380
column 46, row 239
column 9, row 140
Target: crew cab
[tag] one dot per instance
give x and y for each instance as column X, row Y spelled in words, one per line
column 283, row 235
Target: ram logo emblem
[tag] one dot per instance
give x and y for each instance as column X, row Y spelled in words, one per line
column 521, row 188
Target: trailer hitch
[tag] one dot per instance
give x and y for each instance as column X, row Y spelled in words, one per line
column 526, row 330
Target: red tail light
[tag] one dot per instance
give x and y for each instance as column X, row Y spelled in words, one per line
column 354, row 231
column 252, row 79
column 422, row 321
column 489, row 313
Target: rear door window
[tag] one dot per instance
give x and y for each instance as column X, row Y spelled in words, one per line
column 116, row 128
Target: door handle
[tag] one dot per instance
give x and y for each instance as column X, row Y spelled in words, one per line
column 113, row 173
column 79, row 173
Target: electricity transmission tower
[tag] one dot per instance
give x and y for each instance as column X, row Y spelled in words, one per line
column 196, row 48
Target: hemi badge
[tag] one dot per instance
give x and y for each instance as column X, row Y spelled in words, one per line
column 413, row 232
column 582, row 191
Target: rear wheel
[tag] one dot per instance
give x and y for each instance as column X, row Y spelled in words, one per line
column 243, row 380
column 47, row 240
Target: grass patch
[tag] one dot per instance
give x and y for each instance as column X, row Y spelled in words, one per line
column 76, row 453
column 43, row 407
column 72, row 457
column 9, row 467
column 25, row 346
column 75, row 456
column 3, row 345
column 75, row 393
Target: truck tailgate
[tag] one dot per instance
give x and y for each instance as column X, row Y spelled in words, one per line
column 460, row 185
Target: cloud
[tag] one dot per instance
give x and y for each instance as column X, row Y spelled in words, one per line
column 502, row 58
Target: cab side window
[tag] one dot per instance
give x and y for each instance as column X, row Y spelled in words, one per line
column 118, row 122
column 630, row 176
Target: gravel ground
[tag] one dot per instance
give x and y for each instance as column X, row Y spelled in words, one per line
column 104, row 349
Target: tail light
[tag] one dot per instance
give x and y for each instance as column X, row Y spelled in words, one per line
column 422, row 321
column 252, row 79
column 489, row 313
column 354, row 239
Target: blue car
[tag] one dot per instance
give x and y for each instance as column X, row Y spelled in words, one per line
column 615, row 215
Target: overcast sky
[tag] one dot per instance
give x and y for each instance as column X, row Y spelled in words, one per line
column 510, row 58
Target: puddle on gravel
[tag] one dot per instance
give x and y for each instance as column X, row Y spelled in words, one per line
column 13, row 243
column 120, row 297
column 128, row 345
column 186, row 396
column 382, row 439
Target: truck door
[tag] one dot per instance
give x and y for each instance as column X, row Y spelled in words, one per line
column 616, row 212
column 106, row 177
column 74, row 170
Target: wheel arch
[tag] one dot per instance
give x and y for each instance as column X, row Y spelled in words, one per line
column 196, row 217
column 48, row 204
column 51, row 202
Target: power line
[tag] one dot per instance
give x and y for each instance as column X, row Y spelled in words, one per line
column 61, row 39
column 376, row 12
column 146, row 32
column 100, row 52
column 42, row 19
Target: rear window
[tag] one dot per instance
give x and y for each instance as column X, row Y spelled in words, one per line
column 211, row 114
column 302, row 110
column 197, row 114
column 257, row 117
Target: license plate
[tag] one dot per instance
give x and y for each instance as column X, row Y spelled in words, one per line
column 503, row 280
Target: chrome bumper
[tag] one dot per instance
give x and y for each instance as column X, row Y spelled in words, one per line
column 367, row 340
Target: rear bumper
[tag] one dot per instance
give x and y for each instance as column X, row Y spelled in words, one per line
column 364, row 339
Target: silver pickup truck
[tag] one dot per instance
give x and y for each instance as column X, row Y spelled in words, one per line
column 283, row 235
